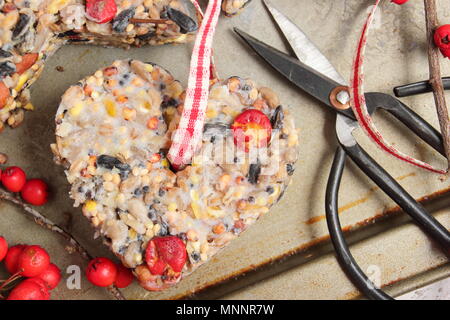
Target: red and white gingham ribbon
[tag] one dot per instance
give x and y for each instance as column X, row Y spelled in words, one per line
column 190, row 129
column 358, row 102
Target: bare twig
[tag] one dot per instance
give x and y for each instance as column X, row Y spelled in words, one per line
column 435, row 74
column 155, row 21
column 48, row 224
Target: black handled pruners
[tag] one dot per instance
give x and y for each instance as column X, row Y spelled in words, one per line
column 313, row 73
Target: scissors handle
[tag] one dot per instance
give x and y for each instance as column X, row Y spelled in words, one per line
column 418, row 88
column 408, row 117
column 394, row 190
column 344, row 256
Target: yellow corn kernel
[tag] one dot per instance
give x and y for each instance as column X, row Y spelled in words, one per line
column 142, row 94
column 181, row 38
column 148, row 67
column 196, row 209
column 194, row 195
column 132, row 234
column 22, row 80
column 197, row 161
column 172, row 207
column 55, row 6
column 28, row 106
column 90, row 205
column 211, row 113
column 76, row 109
column 110, row 107
column 215, row 212
column 261, row 201
column 165, row 163
column 147, row 105
column 195, row 179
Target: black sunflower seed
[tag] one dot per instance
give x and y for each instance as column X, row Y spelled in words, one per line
column 186, row 23
column 7, row 68
column 164, row 231
column 146, row 36
column 121, row 21
column 110, row 163
column 254, row 172
column 277, row 120
column 290, row 169
column 22, row 26
column 5, row 54
column 195, row 256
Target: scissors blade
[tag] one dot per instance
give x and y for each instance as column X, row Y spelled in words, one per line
column 304, row 48
column 303, row 76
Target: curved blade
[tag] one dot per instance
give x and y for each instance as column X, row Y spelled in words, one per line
column 303, row 76
column 304, row 48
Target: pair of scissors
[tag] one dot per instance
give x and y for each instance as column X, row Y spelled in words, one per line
column 313, row 73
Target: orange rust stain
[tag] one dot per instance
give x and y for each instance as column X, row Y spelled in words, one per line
column 356, row 203
column 315, row 220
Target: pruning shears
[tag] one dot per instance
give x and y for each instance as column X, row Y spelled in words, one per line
column 312, row 72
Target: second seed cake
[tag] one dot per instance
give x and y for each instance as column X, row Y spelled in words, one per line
column 113, row 130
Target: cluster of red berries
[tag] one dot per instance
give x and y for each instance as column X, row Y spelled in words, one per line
column 441, row 35
column 102, row 272
column 33, row 191
column 33, row 263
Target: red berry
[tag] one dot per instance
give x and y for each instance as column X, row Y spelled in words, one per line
column 442, row 39
column 12, row 258
column 51, row 276
column 44, row 288
column 13, row 178
column 165, row 253
column 35, row 192
column 252, row 128
column 33, row 261
column 101, row 11
column 101, row 272
column 3, row 248
column 29, row 289
column 399, row 1
column 124, row 277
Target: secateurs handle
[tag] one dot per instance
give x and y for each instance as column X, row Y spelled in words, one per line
column 418, row 88
column 408, row 117
column 395, row 191
column 343, row 254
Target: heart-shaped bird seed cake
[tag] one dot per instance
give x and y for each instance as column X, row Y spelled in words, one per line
column 113, row 130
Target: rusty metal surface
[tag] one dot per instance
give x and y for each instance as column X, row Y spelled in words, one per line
column 395, row 56
column 387, row 259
